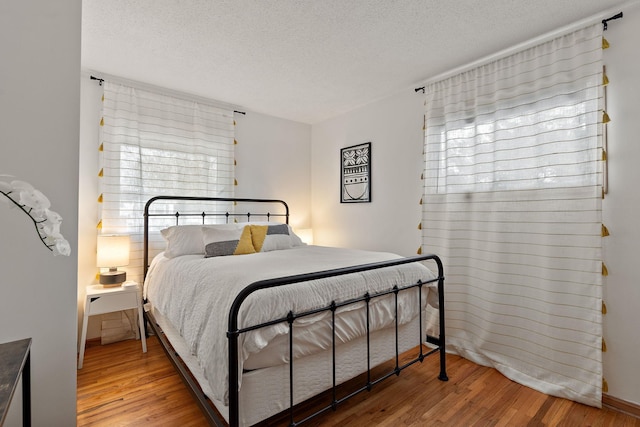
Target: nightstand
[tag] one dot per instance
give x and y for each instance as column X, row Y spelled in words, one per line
column 102, row 300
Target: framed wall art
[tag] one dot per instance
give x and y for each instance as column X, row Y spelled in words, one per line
column 355, row 173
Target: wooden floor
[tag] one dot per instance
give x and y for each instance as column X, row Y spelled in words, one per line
column 121, row 386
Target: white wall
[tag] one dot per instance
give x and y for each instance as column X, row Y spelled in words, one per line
column 621, row 207
column 274, row 161
column 390, row 221
column 39, row 110
column 394, row 127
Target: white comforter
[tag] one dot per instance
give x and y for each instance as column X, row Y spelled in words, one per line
column 196, row 293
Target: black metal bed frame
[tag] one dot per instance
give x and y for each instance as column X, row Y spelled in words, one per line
column 234, row 332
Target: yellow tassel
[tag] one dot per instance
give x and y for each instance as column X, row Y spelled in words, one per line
column 604, row 308
column 605, row 79
column 605, row 117
column 605, row 272
column 602, row 193
column 102, row 121
column 604, row 156
column 98, row 275
column 235, row 182
column 605, row 385
column 235, row 162
column 100, row 199
column 103, row 97
column 605, row 231
column 101, row 147
column 422, row 176
column 235, row 220
column 101, row 173
column 420, row 200
column 419, row 250
column 605, row 43
column 235, row 203
column 234, row 122
column 99, row 226
column 235, row 142
column 604, row 346
column 420, row 226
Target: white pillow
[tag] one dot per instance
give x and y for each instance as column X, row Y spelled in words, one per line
column 187, row 239
column 270, row 237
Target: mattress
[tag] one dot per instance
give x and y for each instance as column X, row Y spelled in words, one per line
column 194, row 295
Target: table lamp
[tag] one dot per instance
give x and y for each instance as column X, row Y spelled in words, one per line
column 113, row 252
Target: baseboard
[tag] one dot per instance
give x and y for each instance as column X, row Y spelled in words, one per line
column 621, row 405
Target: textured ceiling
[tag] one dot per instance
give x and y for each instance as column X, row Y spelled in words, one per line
column 308, row 60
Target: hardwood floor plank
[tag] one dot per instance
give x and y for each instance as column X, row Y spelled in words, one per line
column 121, row 386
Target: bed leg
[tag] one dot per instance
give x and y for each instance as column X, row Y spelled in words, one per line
column 443, row 351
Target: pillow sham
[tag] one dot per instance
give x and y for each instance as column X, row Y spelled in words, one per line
column 270, row 237
column 221, row 242
column 187, row 239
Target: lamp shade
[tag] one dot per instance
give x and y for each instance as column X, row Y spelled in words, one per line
column 113, row 250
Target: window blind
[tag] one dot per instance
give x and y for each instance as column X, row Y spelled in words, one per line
column 153, row 144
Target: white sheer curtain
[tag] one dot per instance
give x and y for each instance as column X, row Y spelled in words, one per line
column 512, row 203
column 153, row 144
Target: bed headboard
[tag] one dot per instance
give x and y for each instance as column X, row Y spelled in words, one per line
column 163, row 211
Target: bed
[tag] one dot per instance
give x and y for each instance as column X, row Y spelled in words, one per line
column 257, row 322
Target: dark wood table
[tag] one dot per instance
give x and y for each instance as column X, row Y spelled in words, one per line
column 15, row 362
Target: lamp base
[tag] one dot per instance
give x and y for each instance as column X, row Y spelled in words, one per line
column 113, row 278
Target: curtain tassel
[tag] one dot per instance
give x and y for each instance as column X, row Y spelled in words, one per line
column 605, row 271
column 605, row 385
column 419, row 252
column 100, row 198
column 420, row 226
column 605, row 79
column 101, row 173
column 235, row 182
column 420, row 200
column 99, row 226
column 604, row 156
column 604, row 308
column 604, row 346
column 605, row 231
column 605, row 117
column 235, row 142
column 605, row 43
column 102, row 121
column 101, row 147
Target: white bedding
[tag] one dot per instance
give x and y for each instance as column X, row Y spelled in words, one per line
column 195, row 295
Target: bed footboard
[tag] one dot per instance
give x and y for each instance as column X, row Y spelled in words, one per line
column 234, row 332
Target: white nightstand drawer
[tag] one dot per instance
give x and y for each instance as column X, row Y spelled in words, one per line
column 100, row 304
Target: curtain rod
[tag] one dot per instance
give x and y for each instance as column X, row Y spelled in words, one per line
column 537, row 40
column 142, row 85
column 605, row 21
